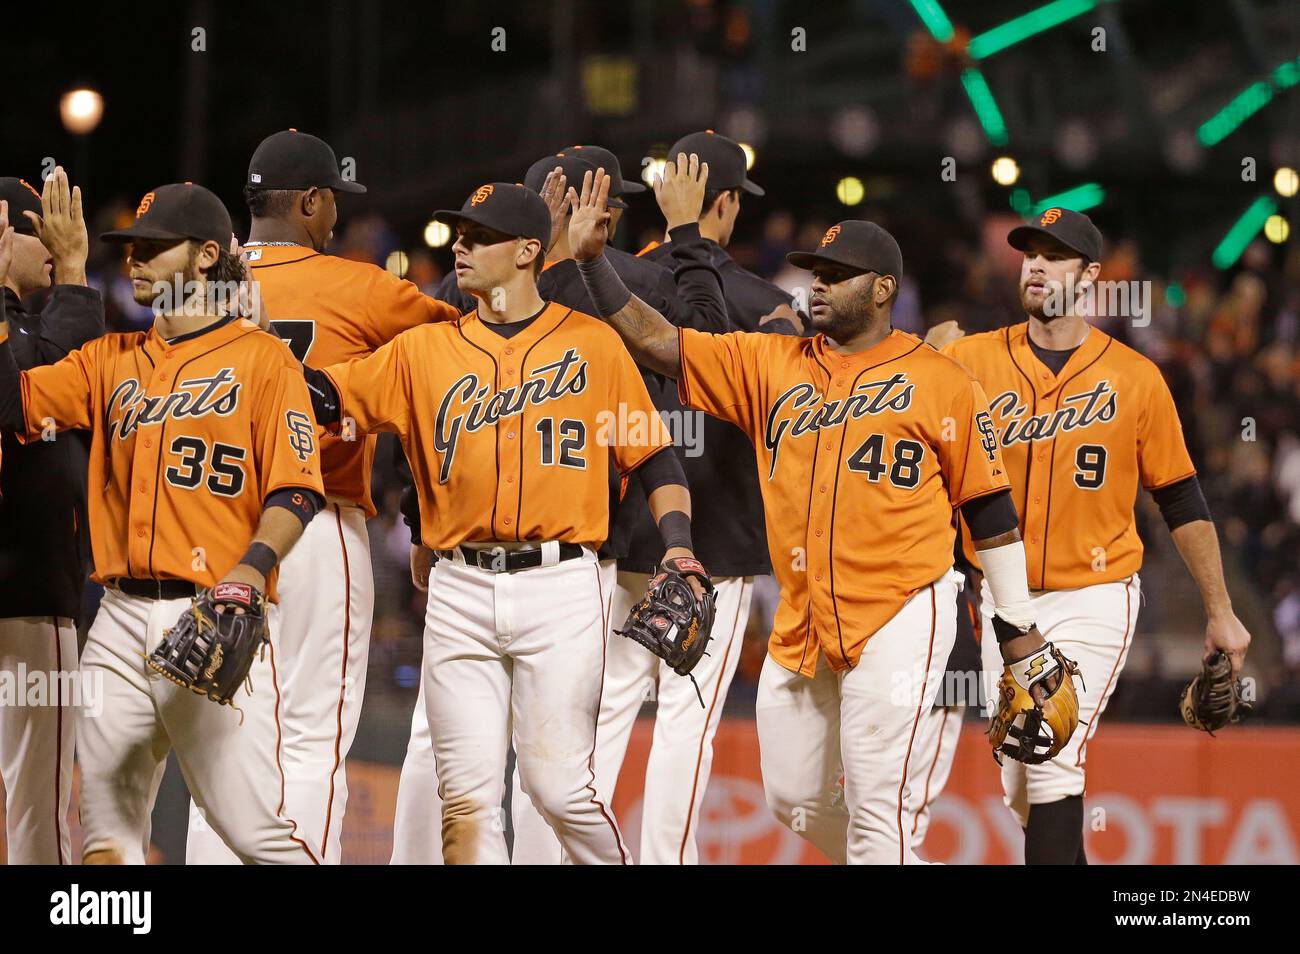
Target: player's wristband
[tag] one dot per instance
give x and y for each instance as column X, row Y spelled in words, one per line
column 675, row 528
column 1004, row 569
column 608, row 293
column 260, row 557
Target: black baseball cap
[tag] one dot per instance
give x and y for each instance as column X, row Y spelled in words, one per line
column 22, row 197
column 856, row 244
column 574, row 167
column 507, row 207
column 178, row 211
column 296, row 160
column 725, row 158
column 1072, row 229
column 602, row 158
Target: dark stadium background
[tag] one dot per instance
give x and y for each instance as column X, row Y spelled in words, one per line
column 1155, row 128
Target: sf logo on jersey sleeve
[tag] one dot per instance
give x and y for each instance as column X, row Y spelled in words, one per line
column 302, row 433
column 988, row 436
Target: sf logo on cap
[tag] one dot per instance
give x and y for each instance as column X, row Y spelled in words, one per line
column 830, row 235
column 1050, row 217
column 144, row 204
column 480, row 195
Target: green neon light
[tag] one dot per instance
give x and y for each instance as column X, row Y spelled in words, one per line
column 935, row 20
column 1244, row 105
column 1243, row 232
column 1026, row 25
column 1078, row 199
column 986, row 107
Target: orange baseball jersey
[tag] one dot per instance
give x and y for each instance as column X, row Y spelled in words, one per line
column 188, row 439
column 1076, row 446
column 331, row 309
column 861, row 460
column 508, row 438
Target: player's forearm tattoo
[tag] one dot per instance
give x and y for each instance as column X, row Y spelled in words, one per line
column 650, row 337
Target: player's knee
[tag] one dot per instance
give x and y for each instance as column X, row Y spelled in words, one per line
column 555, row 795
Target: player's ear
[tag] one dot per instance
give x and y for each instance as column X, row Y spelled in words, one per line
column 309, row 201
column 884, row 289
column 527, row 252
column 208, row 253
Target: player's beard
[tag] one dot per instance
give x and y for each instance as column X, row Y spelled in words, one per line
column 848, row 317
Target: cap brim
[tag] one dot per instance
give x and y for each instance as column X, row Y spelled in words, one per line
column 136, row 233
column 453, row 216
column 752, row 188
column 343, row 185
column 807, row 260
column 1019, row 237
column 615, row 202
column 630, row 186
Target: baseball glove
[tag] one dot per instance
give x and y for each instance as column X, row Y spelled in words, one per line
column 210, row 652
column 1213, row 699
column 1038, row 709
column 670, row 621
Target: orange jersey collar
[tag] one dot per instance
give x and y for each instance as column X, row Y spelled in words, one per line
column 1044, row 381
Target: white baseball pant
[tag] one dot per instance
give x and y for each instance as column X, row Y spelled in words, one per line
column 37, row 736
column 230, row 759
column 681, row 752
column 861, row 725
column 1094, row 627
column 326, row 590
column 927, row 774
column 417, row 826
column 520, row 652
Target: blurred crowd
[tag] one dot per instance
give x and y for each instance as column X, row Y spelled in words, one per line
column 1227, row 342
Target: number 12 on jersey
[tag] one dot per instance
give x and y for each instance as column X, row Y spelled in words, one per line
column 572, row 439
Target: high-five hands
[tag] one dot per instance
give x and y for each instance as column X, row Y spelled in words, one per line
column 680, row 188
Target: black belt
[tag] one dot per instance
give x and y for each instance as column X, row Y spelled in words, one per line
column 499, row 560
column 156, row 589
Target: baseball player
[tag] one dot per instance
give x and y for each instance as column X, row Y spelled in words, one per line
column 44, row 546
column 860, row 432
column 205, row 465
column 507, row 418
column 327, row 309
column 684, row 287
column 1082, row 420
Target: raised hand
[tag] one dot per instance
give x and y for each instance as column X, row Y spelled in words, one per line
column 589, row 223
column 679, row 189
column 556, row 196
column 61, row 227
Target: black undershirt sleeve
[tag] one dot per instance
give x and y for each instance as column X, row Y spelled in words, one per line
column 991, row 515
column 302, row 502
column 660, row 470
column 1182, row 502
column 324, row 398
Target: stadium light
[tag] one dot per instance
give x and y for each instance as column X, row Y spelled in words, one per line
column 81, row 110
column 1079, row 199
column 397, row 263
column 850, row 190
column 1276, row 229
column 1026, row 25
column 651, row 167
column 1286, row 181
column 1243, row 232
column 934, row 18
column 986, row 107
column 437, row 234
column 1005, row 170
